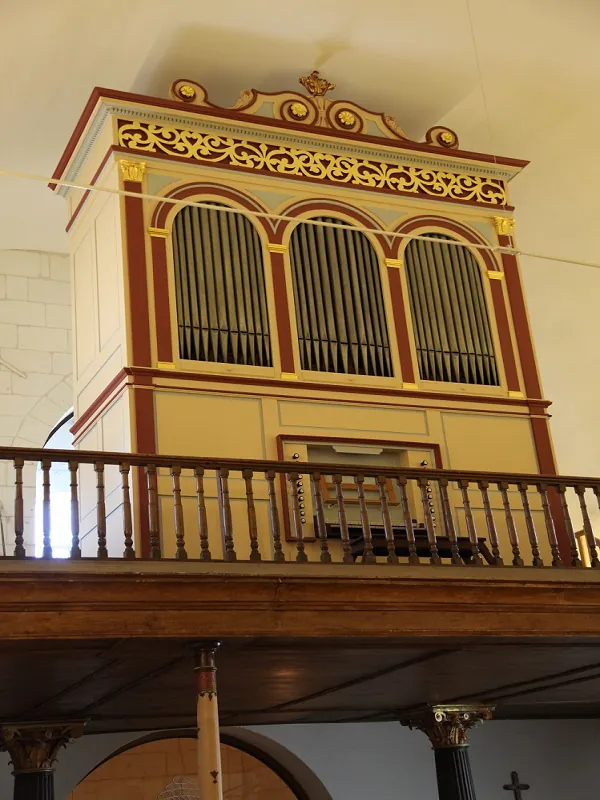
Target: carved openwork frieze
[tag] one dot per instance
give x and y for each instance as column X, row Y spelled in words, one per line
column 285, row 161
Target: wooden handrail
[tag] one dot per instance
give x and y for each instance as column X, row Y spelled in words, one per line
column 285, row 467
column 269, row 520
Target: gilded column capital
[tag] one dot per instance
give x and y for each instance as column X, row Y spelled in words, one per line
column 133, row 170
column 505, row 226
column 34, row 746
column 447, row 726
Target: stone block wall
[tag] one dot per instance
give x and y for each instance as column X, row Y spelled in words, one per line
column 35, row 366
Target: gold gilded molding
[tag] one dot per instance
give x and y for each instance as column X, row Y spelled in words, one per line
column 165, row 365
column 409, row 386
column 516, row 394
column 394, row 262
column 289, row 376
column 505, row 226
column 159, row 233
column 313, row 165
column 495, row 275
column 277, row 248
column 133, row 170
column 315, row 84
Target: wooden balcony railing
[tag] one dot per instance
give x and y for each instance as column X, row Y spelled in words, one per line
column 120, row 505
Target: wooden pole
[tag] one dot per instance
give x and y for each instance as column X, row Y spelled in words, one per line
column 209, row 744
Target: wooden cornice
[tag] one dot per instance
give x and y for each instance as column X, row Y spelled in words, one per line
column 91, row 600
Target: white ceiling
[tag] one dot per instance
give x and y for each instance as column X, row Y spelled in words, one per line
column 420, row 60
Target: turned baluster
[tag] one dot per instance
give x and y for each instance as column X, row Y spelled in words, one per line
column 315, row 479
column 550, row 529
column 498, row 561
column 343, row 520
column 392, row 558
column 180, row 552
column 449, row 522
column 529, row 524
column 46, row 515
column 278, row 554
column 413, row 556
column 476, row 558
column 229, row 553
column 205, row 554
column 100, row 510
column 155, row 551
column 295, row 484
column 75, row 544
column 19, row 515
column 129, row 551
column 368, row 554
column 510, row 525
column 587, row 528
column 574, row 551
column 251, row 509
column 434, row 557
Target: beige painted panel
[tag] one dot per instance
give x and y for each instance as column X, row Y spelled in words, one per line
column 88, row 392
column 84, row 299
column 194, row 424
column 346, row 417
column 115, row 426
column 107, row 255
column 491, row 442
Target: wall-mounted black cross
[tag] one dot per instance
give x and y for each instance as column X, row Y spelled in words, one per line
column 515, row 786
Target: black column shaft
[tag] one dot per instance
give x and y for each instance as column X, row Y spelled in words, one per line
column 34, row 785
column 453, row 768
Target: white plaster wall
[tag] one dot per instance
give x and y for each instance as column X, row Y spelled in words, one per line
column 383, row 761
column 35, row 372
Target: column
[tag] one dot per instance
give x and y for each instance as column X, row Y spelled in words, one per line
column 447, row 728
column 33, row 749
column 209, row 743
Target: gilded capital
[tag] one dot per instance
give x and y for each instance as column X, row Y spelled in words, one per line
column 447, row 726
column 505, row 226
column 34, row 747
column 133, row 170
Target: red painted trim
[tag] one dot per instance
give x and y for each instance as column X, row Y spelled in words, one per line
column 298, row 208
column 88, row 191
column 96, row 405
column 137, row 276
column 401, row 325
column 224, row 113
column 506, row 345
column 540, row 427
column 306, row 179
column 520, row 321
column 281, row 438
column 161, row 212
column 282, row 314
column 145, row 442
column 327, row 387
column 454, row 227
column 162, row 307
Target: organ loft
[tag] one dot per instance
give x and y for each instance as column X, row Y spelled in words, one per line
column 293, row 279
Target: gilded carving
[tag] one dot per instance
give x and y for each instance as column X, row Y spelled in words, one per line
column 505, row 226
column 315, row 84
column 346, row 118
column 447, row 726
column 33, row 747
column 274, row 247
column 133, row 170
column 187, row 91
column 394, row 262
column 284, row 160
column 299, row 110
